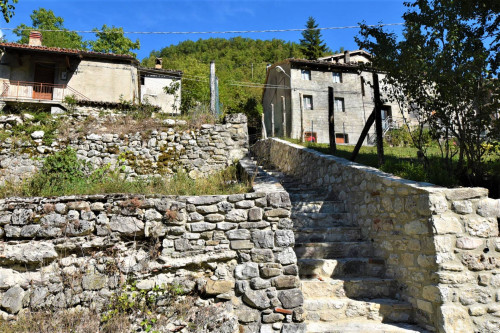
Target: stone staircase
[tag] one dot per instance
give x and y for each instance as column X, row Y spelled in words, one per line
column 344, row 286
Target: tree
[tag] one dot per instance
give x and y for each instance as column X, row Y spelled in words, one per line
column 445, row 71
column 7, row 9
column 112, row 40
column 311, row 45
column 43, row 19
column 240, row 67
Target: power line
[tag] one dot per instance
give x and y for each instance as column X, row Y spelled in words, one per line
column 204, row 32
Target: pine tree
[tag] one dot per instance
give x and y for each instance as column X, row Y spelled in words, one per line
column 311, row 45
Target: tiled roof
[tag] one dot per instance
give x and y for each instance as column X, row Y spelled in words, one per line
column 160, row 71
column 352, row 53
column 316, row 64
column 64, row 51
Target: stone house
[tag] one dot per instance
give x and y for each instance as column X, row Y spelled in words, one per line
column 33, row 73
column 296, row 103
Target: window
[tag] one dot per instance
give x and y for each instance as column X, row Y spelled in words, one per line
column 308, row 102
column 339, row 105
column 306, row 74
column 341, row 138
column 362, row 86
column 337, row 77
column 310, row 136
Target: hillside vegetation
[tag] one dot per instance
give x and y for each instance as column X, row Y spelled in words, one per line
column 239, row 62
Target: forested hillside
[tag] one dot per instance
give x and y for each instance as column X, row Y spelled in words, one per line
column 239, row 62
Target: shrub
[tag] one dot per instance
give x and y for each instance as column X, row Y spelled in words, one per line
column 59, row 172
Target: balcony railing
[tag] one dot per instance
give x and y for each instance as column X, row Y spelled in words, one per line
column 37, row 91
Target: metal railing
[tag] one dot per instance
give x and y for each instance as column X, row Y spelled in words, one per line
column 26, row 91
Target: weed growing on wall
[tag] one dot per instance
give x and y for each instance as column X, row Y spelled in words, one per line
column 33, row 119
column 64, row 174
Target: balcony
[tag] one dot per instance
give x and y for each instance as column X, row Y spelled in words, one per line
column 23, row 91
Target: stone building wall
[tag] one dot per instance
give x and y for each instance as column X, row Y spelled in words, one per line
column 200, row 152
column 235, row 250
column 441, row 245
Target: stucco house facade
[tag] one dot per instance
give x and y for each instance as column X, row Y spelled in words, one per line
column 296, row 102
column 153, row 80
column 33, row 73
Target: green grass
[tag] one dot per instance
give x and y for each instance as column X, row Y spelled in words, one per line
column 403, row 162
column 64, row 174
column 223, row 182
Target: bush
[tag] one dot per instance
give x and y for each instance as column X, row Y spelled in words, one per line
column 59, row 173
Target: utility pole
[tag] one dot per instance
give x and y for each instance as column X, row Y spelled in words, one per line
column 212, row 87
column 283, row 110
column 378, row 120
column 217, row 104
column 272, row 120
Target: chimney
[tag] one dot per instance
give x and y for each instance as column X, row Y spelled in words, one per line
column 158, row 63
column 35, row 38
column 347, row 57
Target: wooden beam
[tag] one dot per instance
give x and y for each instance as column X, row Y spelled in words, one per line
column 378, row 120
column 364, row 133
column 331, row 121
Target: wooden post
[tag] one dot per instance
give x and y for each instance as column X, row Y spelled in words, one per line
column 212, row 87
column 263, row 132
column 378, row 120
column 283, row 109
column 369, row 123
column 301, row 100
column 331, row 121
column 272, row 120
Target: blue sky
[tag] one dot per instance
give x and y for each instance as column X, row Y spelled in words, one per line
column 214, row 15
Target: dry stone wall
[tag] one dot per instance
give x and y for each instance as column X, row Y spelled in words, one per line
column 200, row 152
column 77, row 251
column 441, row 245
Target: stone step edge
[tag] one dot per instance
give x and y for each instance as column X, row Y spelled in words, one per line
column 381, row 301
column 350, row 279
column 323, row 229
column 361, row 326
column 327, row 244
column 369, row 260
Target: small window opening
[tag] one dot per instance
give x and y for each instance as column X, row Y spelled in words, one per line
column 341, row 138
column 310, row 136
column 337, row 77
column 339, row 105
column 306, row 74
column 308, row 102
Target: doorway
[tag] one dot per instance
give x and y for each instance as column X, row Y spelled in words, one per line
column 44, row 81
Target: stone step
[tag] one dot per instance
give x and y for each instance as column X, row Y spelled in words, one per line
column 307, row 195
column 379, row 310
column 352, row 287
column 333, row 234
column 325, row 220
column 361, row 326
column 333, row 250
column 318, row 206
column 331, row 268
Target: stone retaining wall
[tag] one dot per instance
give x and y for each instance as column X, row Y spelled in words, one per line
column 212, row 148
column 442, row 245
column 237, row 250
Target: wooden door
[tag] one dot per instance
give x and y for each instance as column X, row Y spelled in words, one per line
column 44, row 81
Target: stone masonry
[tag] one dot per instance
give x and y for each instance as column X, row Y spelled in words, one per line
column 440, row 246
column 200, row 152
column 77, row 251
